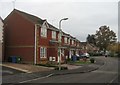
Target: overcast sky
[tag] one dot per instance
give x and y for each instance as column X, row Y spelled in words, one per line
column 85, row 16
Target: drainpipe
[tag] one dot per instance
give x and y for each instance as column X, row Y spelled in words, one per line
column 35, row 48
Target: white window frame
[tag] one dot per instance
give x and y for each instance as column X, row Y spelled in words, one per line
column 43, row 52
column 53, row 34
column 43, row 31
column 65, row 39
column 69, row 41
column 72, row 42
column 78, row 44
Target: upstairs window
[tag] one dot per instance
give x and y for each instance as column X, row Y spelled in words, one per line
column 72, row 42
column 44, row 31
column 53, row 34
column 65, row 39
column 78, row 44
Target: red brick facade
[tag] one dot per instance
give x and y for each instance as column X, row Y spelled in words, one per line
column 20, row 39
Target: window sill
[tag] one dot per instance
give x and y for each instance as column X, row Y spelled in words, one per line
column 43, row 58
column 54, row 39
column 43, row 37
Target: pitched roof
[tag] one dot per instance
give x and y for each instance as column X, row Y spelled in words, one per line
column 53, row 27
column 30, row 17
column 34, row 19
column 37, row 20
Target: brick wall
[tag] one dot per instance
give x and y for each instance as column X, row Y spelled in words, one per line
column 19, row 37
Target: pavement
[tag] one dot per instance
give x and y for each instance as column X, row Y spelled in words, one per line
column 34, row 72
column 28, row 68
column 82, row 69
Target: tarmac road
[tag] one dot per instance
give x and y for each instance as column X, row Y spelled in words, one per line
column 108, row 73
column 9, row 71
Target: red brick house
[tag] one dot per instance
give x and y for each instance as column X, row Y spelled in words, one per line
column 71, row 45
column 88, row 47
column 33, row 39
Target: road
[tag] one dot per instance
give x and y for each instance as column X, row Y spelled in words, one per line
column 5, row 71
column 9, row 71
column 108, row 73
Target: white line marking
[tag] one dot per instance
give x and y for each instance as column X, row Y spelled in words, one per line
column 36, row 78
column 113, row 79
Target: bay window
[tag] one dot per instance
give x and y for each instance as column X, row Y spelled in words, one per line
column 44, row 31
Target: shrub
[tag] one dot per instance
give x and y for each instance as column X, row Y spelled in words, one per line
column 92, row 60
column 112, row 54
column 68, row 59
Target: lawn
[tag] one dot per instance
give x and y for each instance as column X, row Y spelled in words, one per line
column 80, row 62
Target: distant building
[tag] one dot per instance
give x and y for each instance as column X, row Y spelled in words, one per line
column 35, row 40
column 1, row 39
column 88, row 47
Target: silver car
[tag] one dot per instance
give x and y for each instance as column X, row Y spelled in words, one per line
column 85, row 55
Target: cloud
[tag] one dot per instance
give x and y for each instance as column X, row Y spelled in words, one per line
column 84, row 17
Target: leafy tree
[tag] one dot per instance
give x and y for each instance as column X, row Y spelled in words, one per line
column 104, row 37
column 113, row 47
column 91, row 39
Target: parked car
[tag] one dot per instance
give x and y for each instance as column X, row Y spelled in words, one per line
column 77, row 56
column 85, row 55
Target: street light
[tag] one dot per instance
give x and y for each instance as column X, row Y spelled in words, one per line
column 60, row 30
column 61, row 21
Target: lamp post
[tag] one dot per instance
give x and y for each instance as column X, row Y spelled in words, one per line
column 36, row 43
column 60, row 30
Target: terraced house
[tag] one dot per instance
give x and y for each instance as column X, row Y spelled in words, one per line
column 35, row 40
